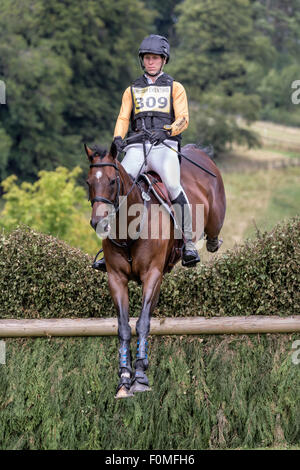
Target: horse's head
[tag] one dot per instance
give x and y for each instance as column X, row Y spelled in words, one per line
column 104, row 186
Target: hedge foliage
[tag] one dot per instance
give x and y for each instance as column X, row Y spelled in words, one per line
column 209, row 392
column 41, row 276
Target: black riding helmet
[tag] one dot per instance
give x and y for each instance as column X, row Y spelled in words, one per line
column 154, row 44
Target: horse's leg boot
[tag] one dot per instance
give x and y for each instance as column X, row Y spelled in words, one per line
column 140, row 382
column 213, row 244
column 100, row 265
column 183, row 214
column 125, row 371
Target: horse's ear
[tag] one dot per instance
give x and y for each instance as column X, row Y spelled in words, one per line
column 89, row 152
column 113, row 150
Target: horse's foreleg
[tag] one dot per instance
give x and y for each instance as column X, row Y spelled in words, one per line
column 151, row 289
column 119, row 290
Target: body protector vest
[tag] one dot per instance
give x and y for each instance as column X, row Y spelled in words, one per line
column 152, row 103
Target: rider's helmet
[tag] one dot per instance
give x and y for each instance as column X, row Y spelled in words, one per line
column 154, row 44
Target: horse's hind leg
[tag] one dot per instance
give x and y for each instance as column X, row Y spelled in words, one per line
column 151, row 289
column 119, row 290
column 213, row 244
column 212, row 230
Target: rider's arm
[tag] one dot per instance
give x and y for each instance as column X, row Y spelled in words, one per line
column 122, row 123
column 181, row 110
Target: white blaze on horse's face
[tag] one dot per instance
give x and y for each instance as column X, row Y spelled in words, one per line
column 98, row 175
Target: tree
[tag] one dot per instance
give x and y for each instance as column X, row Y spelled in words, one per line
column 54, row 204
column 65, row 65
column 217, row 47
column 280, row 21
column 165, row 17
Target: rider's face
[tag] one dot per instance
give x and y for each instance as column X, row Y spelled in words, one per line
column 153, row 63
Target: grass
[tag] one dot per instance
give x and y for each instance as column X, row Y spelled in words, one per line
column 277, row 136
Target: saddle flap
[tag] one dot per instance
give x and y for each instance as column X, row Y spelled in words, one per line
column 160, row 191
column 159, row 187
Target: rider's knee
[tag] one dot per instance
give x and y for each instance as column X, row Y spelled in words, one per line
column 174, row 191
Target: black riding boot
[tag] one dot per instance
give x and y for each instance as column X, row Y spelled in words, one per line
column 100, row 265
column 183, row 216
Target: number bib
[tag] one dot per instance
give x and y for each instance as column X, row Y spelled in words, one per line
column 151, row 99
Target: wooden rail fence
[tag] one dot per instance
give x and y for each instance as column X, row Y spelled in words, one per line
column 159, row 326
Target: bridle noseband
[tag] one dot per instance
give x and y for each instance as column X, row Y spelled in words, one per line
column 115, row 202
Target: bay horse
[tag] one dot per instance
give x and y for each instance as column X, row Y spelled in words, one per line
column 145, row 259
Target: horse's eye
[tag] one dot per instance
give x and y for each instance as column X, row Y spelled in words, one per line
column 112, row 181
column 87, row 182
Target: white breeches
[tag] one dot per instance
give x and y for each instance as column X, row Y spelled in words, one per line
column 160, row 159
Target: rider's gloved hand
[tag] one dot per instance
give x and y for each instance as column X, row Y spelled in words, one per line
column 119, row 143
column 158, row 136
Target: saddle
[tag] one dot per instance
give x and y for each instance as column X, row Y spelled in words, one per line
column 154, row 183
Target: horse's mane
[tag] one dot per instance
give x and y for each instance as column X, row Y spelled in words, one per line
column 97, row 149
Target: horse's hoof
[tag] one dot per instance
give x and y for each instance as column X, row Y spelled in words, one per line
column 138, row 387
column 213, row 245
column 123, row 392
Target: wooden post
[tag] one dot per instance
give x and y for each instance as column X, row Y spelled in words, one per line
column 159, row 326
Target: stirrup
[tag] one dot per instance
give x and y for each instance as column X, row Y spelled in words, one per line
column 100, row 265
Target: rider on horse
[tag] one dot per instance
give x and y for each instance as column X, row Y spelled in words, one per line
column 157, row 103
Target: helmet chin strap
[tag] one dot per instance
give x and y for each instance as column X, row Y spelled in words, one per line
column 153, row 74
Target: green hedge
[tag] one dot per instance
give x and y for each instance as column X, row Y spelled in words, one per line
column 41, row 276
column 208, row 392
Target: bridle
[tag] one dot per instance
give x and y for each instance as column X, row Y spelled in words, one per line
column 115, row 202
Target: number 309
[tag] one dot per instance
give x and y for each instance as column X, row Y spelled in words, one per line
column 151, row 102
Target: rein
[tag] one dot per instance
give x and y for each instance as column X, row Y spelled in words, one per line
column 145, row 133
column 117, row 206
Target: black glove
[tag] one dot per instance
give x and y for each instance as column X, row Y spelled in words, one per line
column 158, row 136
column 119, row 143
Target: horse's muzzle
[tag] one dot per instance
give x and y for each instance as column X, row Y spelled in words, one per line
column 102, row 226
column 94, row 223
